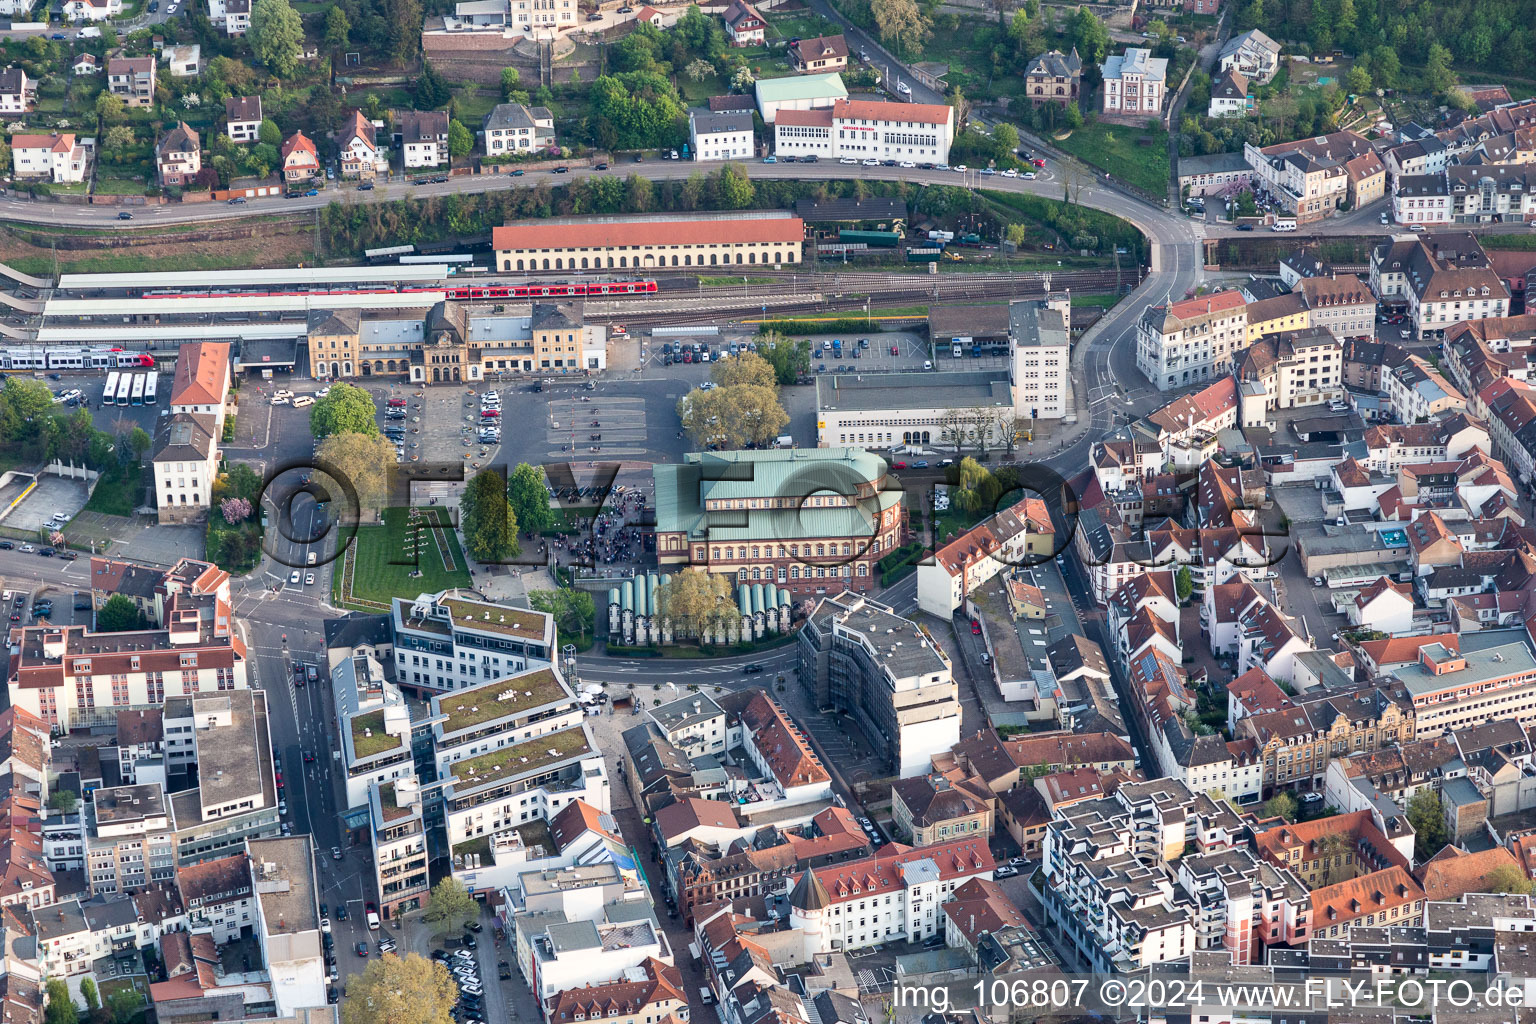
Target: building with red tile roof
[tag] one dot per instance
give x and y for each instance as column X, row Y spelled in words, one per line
column 634, row 244
column 653, row 997
column 201, row 381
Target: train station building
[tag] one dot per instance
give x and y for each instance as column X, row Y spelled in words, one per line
column 758, row 238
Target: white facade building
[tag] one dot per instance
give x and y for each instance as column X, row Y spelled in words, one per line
column 1134, row 82
column 867, row 130
column 443, row 642
column 58, row 158
column 723, row 136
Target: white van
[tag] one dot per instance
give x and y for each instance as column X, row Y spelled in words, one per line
column 1284, row 224
column 303, row 401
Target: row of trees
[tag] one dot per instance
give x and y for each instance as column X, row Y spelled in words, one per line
column 494, row 510
column 123, row 1004
column 1491, row 35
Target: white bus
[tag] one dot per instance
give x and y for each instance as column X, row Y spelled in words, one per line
column 151, row 384
column 109, row 393
column 137, row 395
column 124, row 388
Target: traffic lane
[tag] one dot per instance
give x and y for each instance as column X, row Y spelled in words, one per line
column 1151, row 220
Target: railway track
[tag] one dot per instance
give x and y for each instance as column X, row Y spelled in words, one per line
column 733, row 307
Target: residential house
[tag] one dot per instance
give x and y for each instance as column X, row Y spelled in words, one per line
column 178, row 156
column 1135, row 83
column 1253, row 55
column 1230, row 95
column 724, row 136
column 1444, row 279
column 17, row 91
column 360, row 156
column 1054, row 78
column 58, row 158
column 242, row 119
column 301, row 163
column 819, row 54
column 184, row 61
column 1192, row 340
column 132, row 79
column 424, row 137
column 1313, row 177
column 86, row 64
column 91, row 10
column 1385, row 606
column 237, row 17
column 933, row 808
column 512, row 129
column 743, row 25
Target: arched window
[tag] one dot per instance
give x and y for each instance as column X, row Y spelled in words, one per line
column 546, row 263
column 583, row 263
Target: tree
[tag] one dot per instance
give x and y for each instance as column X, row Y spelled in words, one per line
column 699, row 69
column 269, row 134
column 742, row 79
column 1183, row 583
column 338, row 28
column 88, row 991
column 64, row 800
column 1506, row 878
column 124, row 1004
column 1437, row 69
column 276, row 34
column 431, row 90
column 235, row 510
column 511, row 79
column 1007, row 137
column 789, row 358
column 490, row 529
column 1089, row 36
column 109, row 108
column 365, row 461
column 139, row 442
column 901, row 24
column 1428, row 820
column 345, row 410
column 639, row 194
column 976, row 489
column 404, row 18
column 1385, row 67
column 451, row 906
column 731, row 417
column 119, row 615
column 696, row 602
column 744, row 369
column 1359, row 80
column 1281, row 805
column 529, row 498
column 572, row 609
column 118, row 138
column 733, row 189
column 461, row 141
column 401, row 990
column 61, row 1008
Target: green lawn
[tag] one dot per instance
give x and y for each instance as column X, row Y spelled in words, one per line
column 378, row 565
column 1117, row 149
column 119, row 186
column 802, row 26
column 129, row 262
column 119, row 490
column 1099, row 301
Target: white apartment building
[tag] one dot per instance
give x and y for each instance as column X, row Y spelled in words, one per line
column 513, row 709
column 867, row 130
column 358, row 152
column 1287, row 370
column 219, row 896
column 288, row 922
column 514, row 128
column 129, row 841
column 1039, row 367
column 861, row 657
column 569, row 955
column 840, row 907
column 91, row 10
column 200, row 383
column 72, row 678
column 186, row 459
column 727, row 135
column 399, row 838
column 17, row 91
column 1113, row 887
column 1191, row 341
column 226, row 735
column 694, row 724
column 59, row 158
column 495, row 792
column 1135, row 82
column 1423, row 199
column 373, row 724
column 237, row 17
column 1340, row 304
column 423, row 137
column 992, row 546
column 1458, row 690
column 546, row 15
column 444, row 642
column 1443, row 278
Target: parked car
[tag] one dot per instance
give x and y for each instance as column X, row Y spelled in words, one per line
column 361, row 948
